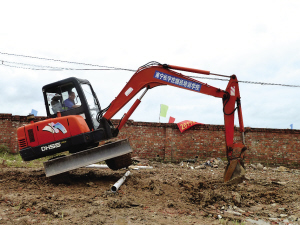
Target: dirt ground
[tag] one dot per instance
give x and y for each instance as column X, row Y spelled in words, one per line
column 184, row 193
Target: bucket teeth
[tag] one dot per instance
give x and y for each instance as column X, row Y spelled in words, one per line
column 234, row 172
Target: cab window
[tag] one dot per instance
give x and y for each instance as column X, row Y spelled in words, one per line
column 92, row 103
column 62, row 98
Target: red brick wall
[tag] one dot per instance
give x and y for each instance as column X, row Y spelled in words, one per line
column 165, row 142
column 268, row 146
column 8, row 130
column 274, row 146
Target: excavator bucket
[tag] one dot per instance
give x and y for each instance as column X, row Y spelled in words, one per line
column 234, row 172
column 108, row 152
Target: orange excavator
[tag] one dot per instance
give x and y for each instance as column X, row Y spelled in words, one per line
column 76, row 123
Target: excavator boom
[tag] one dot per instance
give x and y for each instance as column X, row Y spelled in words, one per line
column 150, row 76
column 153, row 76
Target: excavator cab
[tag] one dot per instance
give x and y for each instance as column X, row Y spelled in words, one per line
column 72, row 96
column 75, row 124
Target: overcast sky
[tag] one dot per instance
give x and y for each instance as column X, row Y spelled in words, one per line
column 256, row 40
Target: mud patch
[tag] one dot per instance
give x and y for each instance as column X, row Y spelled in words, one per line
column 166, row 194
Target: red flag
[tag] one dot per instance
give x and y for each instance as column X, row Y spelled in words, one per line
column 171, row 119
column 186, row 124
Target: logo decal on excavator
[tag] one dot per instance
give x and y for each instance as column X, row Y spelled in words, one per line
column 55, row 128
column 177, row 81
column 49, row 147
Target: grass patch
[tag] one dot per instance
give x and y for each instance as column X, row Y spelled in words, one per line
column 15, row 160
column 4, row 149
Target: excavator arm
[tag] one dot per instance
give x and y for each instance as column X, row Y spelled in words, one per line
column 153, row 75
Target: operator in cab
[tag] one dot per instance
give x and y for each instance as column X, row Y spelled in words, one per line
column 70, row 103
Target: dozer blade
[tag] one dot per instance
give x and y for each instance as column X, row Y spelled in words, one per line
column 86, row 157
column 234, row 172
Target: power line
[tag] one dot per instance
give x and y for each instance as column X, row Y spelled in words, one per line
column 64, row 61
column 247, row 82
column 51, row 68
column 263, row 83
column 41, row 67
